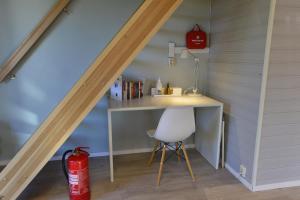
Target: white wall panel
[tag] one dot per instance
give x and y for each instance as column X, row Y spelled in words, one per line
column 238, row 37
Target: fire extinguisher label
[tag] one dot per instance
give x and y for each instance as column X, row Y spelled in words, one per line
column 78, row 181
column 73, row 179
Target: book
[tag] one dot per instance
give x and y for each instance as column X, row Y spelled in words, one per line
column 127, row 89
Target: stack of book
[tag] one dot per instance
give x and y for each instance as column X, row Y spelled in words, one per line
column 132, row 90
column 126, row 90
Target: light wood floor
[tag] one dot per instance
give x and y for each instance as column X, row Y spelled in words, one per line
column 136, row 181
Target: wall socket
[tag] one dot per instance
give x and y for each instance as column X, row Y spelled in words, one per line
column 243, row 171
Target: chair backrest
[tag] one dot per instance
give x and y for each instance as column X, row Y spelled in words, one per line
column 176, row 124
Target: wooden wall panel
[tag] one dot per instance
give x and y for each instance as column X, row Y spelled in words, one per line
column 238, row 35
column 279, row 160
column 84, row 95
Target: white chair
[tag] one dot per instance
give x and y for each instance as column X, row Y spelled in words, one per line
column 175, row 125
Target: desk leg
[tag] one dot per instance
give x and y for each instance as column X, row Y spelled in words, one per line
column 223, row 144
column 111, row 159
column 208, row 136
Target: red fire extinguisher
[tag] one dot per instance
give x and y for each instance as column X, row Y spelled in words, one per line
column 196, row 38
column 77, row 173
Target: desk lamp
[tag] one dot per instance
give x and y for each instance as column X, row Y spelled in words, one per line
column 195, row 90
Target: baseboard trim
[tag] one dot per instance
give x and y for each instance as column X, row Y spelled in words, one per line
column 92, row 155
column 274, row 186
column 102, row 154
column 237, row 176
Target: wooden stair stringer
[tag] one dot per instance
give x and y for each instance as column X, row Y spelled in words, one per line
column 59, row 125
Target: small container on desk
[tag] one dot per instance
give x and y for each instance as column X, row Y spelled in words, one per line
column 174, row 92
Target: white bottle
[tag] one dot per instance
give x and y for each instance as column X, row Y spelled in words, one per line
column 159, row 86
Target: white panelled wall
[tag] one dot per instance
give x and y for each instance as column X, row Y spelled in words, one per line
column 278, row 161
column 254, row 69
column 238, row 35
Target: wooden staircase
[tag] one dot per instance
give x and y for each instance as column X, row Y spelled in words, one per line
column 59, row 125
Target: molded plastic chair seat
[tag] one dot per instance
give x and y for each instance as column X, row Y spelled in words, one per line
column 176, row 124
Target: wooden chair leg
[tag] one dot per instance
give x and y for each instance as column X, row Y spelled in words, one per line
column 153, row 152
column 163, row 155
column 188, row 162
column 178, row 151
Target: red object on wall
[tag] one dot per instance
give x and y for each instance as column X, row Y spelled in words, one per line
column 78, row 175
column 196, row 38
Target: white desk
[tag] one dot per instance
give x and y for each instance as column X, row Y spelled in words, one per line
column 208, row 114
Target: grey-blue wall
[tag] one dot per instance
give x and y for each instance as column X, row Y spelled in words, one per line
column 64, row 53
column 238, row 37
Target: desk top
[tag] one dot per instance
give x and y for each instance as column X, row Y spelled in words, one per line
column 149, row 103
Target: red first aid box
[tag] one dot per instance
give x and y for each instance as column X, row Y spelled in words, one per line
column 196, row 38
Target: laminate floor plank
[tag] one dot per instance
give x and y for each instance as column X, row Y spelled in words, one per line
column 134, row 180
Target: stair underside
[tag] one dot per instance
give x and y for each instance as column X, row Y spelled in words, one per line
column 59, row 125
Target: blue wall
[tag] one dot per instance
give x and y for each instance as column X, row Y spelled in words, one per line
column 64, row 53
